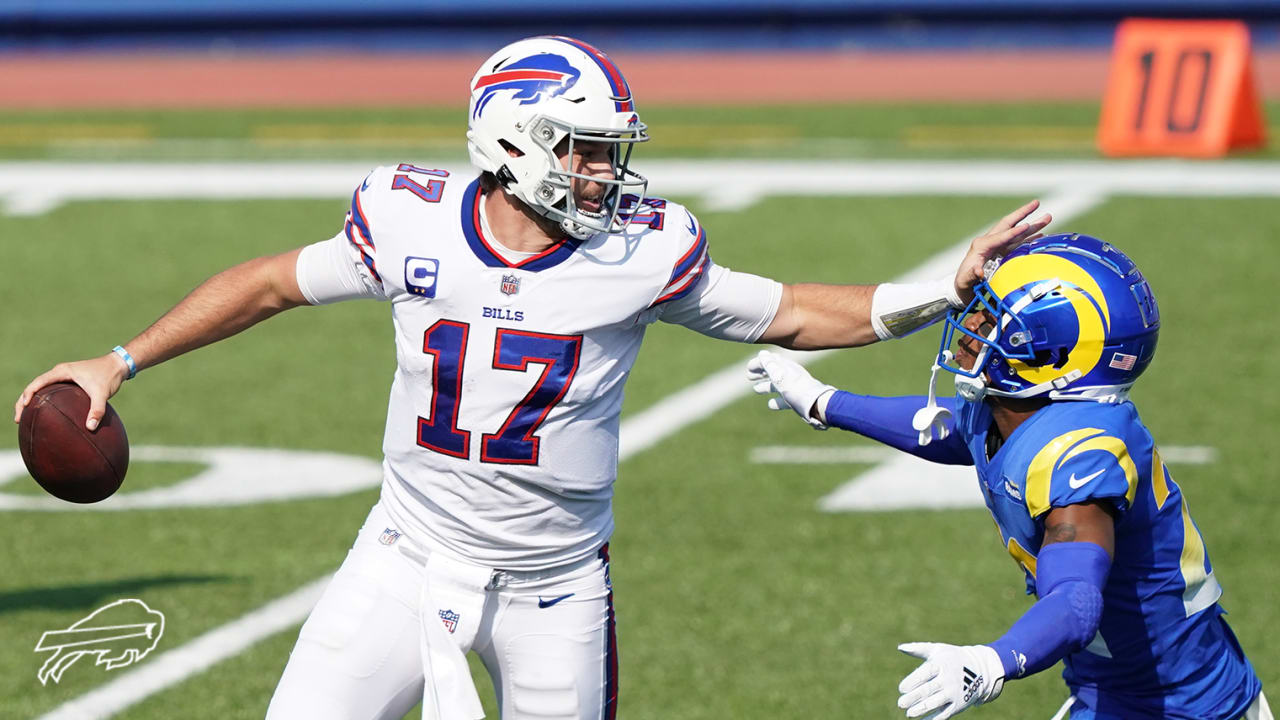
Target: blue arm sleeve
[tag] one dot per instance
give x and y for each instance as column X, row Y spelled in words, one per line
column 888, row 420
column 1069, row 582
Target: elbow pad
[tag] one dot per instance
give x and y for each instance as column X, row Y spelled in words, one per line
column 1069, row 582
column 1084, row 603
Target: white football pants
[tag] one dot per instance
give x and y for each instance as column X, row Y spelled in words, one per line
column 393, row 626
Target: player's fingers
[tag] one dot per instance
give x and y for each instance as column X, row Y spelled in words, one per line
column 913, row 697
column 97, row 408
column 918, row 677
column 1016, row 216
column 778, row 404
column 1001, row 241
column 916, row 649
column 57, row 373
column 763, row 388
column 931, row 703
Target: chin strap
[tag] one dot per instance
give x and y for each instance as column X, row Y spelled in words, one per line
column 931, row 417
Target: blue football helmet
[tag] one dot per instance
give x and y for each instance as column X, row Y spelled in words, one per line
column 1073, row 319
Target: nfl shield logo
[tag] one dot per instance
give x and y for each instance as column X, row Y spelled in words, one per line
column 510, row 284
column 389, row 536
column 450, row 620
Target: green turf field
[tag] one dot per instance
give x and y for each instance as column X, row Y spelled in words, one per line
column 797, row 131
column 736, row 596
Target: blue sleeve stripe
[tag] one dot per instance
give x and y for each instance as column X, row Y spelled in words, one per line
column 690, row 258
column 357, row 216
column 691, row 279
column 365, row 256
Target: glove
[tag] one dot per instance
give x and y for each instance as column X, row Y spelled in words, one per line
column 769, row 372
column 951, row 679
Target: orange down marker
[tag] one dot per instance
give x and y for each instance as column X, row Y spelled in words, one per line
column 1180, row 87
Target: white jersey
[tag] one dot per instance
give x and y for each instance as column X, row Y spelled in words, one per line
column 501, row 441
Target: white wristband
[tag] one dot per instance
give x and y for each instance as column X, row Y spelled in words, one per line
column 897, row 310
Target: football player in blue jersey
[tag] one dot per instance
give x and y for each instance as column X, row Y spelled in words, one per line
column 1127, row 598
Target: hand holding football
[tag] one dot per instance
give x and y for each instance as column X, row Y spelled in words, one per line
column 67, row 460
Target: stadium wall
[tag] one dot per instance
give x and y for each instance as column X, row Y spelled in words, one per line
column 426, row 25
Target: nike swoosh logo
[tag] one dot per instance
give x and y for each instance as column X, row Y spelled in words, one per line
column 1074, row 483
column 693, row 229
column 548, row 603
column 364, row 185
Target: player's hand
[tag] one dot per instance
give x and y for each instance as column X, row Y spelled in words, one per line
column 1006, row 235
column 951, row 679
column 99, row 377
column 771, row 373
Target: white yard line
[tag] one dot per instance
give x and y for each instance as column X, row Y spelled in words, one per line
column 29, row 188
column 906, row 482
column 866, row 454
column 899, row 481
column 638, row 432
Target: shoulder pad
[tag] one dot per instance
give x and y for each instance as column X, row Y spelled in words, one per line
column 1079, row 465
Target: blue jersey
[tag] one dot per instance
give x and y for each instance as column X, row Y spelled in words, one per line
column 1162, row 649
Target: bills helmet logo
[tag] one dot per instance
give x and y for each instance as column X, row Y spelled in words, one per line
column 450, row 620
column 531, row 78
column 118, row 634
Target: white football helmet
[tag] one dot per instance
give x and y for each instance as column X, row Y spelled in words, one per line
column 529, row 97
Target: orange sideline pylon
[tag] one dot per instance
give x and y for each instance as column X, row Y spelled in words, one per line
column 1180, row 87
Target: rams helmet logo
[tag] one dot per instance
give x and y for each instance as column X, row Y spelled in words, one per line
column 1073, row 316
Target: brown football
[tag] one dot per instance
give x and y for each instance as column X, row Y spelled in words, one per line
column 67, row 460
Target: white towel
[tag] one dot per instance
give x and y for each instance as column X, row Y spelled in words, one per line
column 453, row 599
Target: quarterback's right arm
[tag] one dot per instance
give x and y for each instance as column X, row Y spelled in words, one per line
column 221, row 306
column 229, row 302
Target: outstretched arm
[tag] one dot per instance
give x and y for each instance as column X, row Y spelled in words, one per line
column 221, row 306
column 889, row 420
column 1071, row 570
column 883, row 419
column 813, row 316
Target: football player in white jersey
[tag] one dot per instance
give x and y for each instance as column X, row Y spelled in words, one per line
column 519, row 300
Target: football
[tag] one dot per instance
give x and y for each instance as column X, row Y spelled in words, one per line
column 68, row 461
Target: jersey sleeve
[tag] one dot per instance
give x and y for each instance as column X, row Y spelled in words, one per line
column 1079, row 466
column 344, row 267
column 715, row 300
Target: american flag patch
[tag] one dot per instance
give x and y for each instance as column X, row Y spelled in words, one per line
column 1120, row 361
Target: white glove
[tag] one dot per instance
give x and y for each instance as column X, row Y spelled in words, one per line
column 951, row 679
column 769, row 372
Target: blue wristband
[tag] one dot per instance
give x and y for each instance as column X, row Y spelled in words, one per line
column 128, row 360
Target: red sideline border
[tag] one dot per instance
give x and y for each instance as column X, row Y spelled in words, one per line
column 40, row 81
